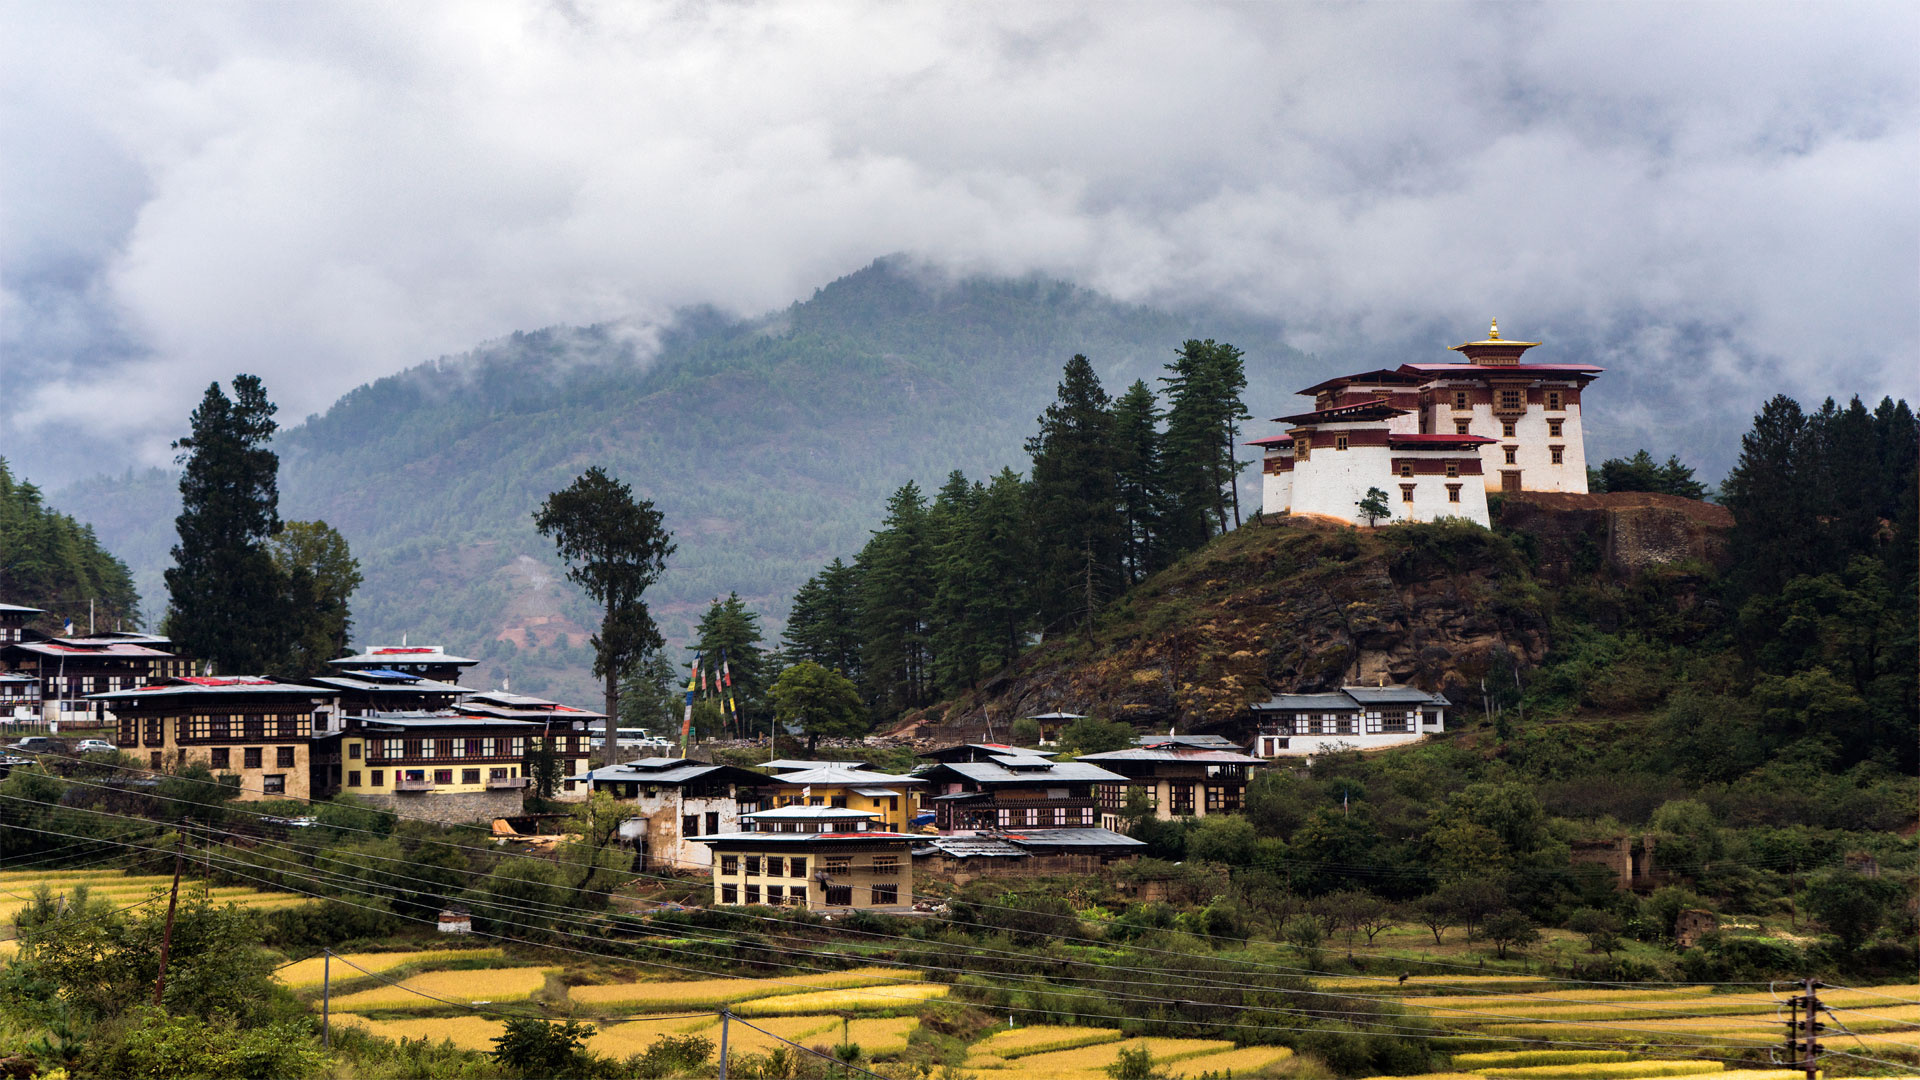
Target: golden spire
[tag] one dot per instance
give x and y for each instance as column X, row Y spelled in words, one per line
column 1493, row 334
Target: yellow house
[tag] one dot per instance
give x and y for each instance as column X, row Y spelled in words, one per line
column 819, row 857
column 443, row 767
column 889, row 797
column 249, row 727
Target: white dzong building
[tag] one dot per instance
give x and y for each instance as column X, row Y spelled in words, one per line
column 1434, row 437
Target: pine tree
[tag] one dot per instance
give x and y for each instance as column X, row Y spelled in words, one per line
column 650, row 694
column 320, row 575
column 50, row 561
column 1136, row 440
column 824, row 624
column 1000, row 551
column 229, row 602
column 951, row 631
column 1202, row 466
column 732, row 629
column 1079, row 533
column 896, row 593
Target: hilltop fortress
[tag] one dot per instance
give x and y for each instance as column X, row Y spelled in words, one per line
column 1431, row 435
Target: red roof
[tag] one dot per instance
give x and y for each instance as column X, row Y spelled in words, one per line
column 1271, row 440
column 1359, row 410
column 1381, row 375
column 1503, row 369
column 415, row 649
column 1440, row 440
column 238, row 680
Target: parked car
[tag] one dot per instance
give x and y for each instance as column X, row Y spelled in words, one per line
column 38, row 744
column 95, row 746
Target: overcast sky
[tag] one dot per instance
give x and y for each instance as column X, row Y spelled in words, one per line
column 1717, row 200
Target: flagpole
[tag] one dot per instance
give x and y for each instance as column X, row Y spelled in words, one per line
column 686, row 723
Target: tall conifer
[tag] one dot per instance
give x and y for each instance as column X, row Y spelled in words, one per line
column 1204, row 408
column 896, row 591
column 1079, row 533
column 1136, row 442
column 228, row 603
column 824, row 625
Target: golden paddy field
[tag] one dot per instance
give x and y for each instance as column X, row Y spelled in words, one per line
column 124, row 890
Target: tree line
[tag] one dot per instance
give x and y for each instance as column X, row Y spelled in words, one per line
column 952, row 587
column 52, row 562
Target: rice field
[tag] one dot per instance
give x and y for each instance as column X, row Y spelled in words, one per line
column 466, row 1032
column 1514, row 1059
column 642, row 997
column 1437, row 983
column 867, row 999
column 312, row 970
column 634, row 1036
column 1094, row 1059
column 1244, row 1060
column 124, row 890
column 436, row 989
column 1605, row 1070
column 1041, row 1038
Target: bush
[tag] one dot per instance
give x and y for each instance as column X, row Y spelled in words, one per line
column 535, row 1049
column 151, row 1045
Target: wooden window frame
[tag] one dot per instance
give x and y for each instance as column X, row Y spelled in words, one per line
column 1555, row 429
column 1406, row 493
column 1453, row 493
column 1512, row 454
column 1559, row 454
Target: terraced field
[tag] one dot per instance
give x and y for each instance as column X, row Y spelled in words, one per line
column 124, row 890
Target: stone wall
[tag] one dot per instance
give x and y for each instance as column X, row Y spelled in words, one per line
column 1627, row 531
column 455, row 807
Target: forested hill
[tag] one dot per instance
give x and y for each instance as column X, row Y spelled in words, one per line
column 52, row 562
column 770, row 444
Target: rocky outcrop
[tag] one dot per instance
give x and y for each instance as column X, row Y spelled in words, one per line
column 1625, row 533
column 1283, row 606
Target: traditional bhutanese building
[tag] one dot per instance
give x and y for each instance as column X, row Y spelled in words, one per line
column 254, row 728
column 1434, row 437
column 679, row 801
column 1178, row 779
column 888, row 796
column 1352, row 718
column 825, row 858
column 426, row 661
column 73, row 671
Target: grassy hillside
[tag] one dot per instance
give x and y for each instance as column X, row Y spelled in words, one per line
column 770, row 444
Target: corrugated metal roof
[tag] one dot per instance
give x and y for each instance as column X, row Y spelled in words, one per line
column 986, row 772
column 796, row 764
column 810, row 813
column 404, row 654
column 1208, row 742
column 1059, row 838
column 1299, row 702
column 837, row 777
column 1392, row 695
column 438, row 722
column 26, row 610
column 172, row 688
column 672, row 772
column 1177, row 753
column 966, row 847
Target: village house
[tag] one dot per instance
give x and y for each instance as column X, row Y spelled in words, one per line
column 1354, row 717
column 440, row 766
column 14, row 620
column 679, row 800
column 888, row 796
column 74, row 671
column 1429, row 435
column 427, row 661
column 989, row 788
column 251, row 727
column 368, row 691
column 1179, row 780
column 825, row 858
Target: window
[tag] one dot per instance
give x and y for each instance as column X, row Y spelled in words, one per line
column 1453, row 493
column 1406, row 493
column 353, row 751
column 353, row 778
column 776, row 895
column 274, row 784
column 886, row 865
column 1460, row 402
column 1302, row 447
column 1340, row 441
column 1453, row 468
column 443, row 776
column 459, row 747
column 1553, row 428
column 218, row 758
column 753, row 894
column 729, row 894
column 776, row 866
column 250, row 758
column 1460, row 427
column 519, row 746
column 799, row 867
column 1558, row 453
column 713, row 822
column 886, row 894
column 1506, row 429
column 1406, row 468
column 1512, row 454
column 729, row 864
column 378, row 778
column 893, row 802
column 283, row 757
column 469, row 776
column 797, row 895
column 443, row 748
column 1556, row 400
column 1510, row 400
column 838, row 864
column 690, row 825
column 753, row 866
column 839, row 896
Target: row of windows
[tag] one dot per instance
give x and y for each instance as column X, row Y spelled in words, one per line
column 1510, row 398
column 221, row 757
column 773, row 866
column 833, row 895
column 1406, row 492
column 378, row 777
column 453, row 749
column 1453, row 469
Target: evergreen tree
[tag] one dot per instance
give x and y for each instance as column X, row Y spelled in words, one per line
column 731, row 630
column 951, row 630
column 320, row 575
column 228, row 600
column 50, row 561
column 896, row 594
column 824, row 624
column 1768, row 493
column 1136, row 441
column 650, row 694
column 1641, row 473
column 1079, row 533
column 1000, row 552
column 615, row 546
column 1202, row 467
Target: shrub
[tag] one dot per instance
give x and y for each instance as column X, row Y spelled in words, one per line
column 533, row 1048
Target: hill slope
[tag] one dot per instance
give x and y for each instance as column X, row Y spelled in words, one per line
column 770, row 444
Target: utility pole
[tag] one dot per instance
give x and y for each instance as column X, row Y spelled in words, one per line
column 725, row 1012
column 1804, row 1028
column 166, row 935
column 326, row 997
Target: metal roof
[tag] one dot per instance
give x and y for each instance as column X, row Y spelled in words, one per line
column 1199, row 755
column 810, row 813
column 27, row 610
column 1502, row 369
column 1376, row 377
column 796, row 764
column 1205, row 742
column 672, row 772
column 759, row 839
column 1298, row 702
column 414, row 685
column 1061, row 838
column 1055, row 716
column 966, row 847
column 1392, row 695
column 399, row 722
column 876, row 792
column 198, row 686
column 836, row 777
column 404, row 654
column 1341, row 414
column 89, row 647
column 1352, row 698
column 986, row 772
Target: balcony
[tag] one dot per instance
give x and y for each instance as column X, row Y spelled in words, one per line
column 413, row 785
column 506, row 783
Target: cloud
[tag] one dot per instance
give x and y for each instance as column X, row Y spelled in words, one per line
column 1716, row 198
